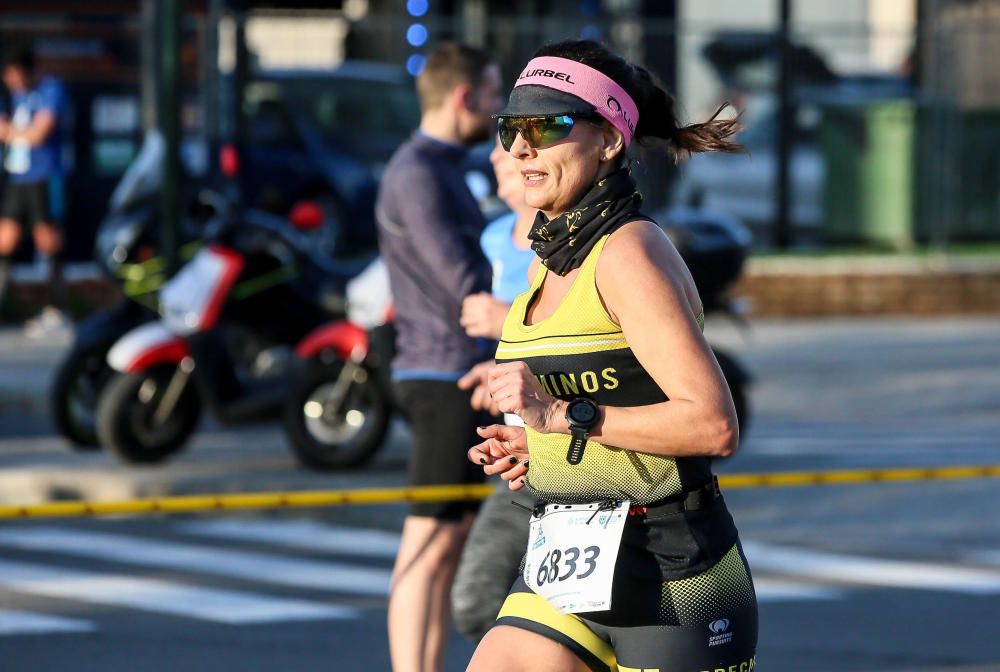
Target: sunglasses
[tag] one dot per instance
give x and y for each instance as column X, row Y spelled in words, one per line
column 538, row 132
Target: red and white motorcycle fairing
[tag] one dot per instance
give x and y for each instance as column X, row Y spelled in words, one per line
column 190, row 302
column 369, row 305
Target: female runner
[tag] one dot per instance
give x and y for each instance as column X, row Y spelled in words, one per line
column 633, row 562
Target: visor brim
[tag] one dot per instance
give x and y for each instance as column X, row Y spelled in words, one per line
column 531, row 100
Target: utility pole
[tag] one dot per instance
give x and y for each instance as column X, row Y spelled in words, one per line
column 211, row 83
column 241, row 74
column 168, row 96
column 786, row 122
column 150, row 55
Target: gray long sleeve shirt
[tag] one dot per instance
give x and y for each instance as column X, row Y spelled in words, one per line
column 429, row 226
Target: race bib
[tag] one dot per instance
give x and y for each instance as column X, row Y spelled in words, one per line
column 18, row 159
column 572, row 551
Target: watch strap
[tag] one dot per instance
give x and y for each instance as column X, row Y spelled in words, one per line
column 577, row 442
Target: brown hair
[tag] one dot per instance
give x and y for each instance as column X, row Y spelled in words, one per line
column 657, row 108
column 448, row 66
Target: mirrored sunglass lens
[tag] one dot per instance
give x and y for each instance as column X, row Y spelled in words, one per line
column 537, row 132
column 507, row 130
column 547, row 130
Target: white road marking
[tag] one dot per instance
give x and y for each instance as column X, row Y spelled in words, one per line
column 14, row 622
column 985, row 557
column 300, row 534
column 823, row 439
column 222, row 606
column 769, row 589
column 870, row 571
column 323, row 575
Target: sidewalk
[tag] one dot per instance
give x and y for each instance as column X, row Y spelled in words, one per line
column 802, row 286
column 26, row 367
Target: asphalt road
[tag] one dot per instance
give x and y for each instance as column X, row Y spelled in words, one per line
column 887, row 577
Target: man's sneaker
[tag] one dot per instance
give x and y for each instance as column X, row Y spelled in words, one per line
column 50, row 322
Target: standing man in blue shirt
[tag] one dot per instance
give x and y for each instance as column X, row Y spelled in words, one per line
column 31, row 139
column 429, row 227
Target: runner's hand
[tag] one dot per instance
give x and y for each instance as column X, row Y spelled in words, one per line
column 516, row 391
column 483, row 315
column 475, row 380
column 504, row 452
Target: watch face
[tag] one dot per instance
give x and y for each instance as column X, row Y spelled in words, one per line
column 582, row 413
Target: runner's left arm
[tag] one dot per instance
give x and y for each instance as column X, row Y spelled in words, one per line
column 44, row 123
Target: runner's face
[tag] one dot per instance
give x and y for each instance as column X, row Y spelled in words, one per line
column 510, row 184
column 555, row 177
column 15, row 79
column 476, row 124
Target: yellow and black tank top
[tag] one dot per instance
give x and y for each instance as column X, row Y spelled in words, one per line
column 579, row 351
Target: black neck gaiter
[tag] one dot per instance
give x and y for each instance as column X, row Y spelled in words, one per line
column 564, row 242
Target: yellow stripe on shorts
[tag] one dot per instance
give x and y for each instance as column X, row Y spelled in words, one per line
column 535, row 608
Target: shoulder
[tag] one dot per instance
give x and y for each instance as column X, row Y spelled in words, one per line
column 51, row 89
column 501, row 226
column 407, row 173
column 639, row 254
column 639, row 242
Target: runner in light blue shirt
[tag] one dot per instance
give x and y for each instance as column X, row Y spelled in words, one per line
column 498, row 537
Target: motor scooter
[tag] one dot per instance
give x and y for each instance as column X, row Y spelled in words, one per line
column 230, row 319
column 338, row 410
column 125, row 253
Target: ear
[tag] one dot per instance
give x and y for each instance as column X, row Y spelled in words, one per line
column 461, row 97
column 613, row 145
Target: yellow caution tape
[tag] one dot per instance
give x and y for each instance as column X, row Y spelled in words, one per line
column 856, row 476
column 439, row 493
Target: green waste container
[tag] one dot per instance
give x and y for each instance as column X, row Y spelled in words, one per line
column 868, row 147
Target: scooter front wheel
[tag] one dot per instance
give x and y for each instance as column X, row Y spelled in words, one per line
column 75, row 390
column 129, row 425
column 336, row 417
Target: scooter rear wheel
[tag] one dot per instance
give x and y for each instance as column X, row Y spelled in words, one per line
column 126, row 423
column 328, row 434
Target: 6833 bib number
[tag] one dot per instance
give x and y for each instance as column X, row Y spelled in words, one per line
column 572, row 550
column 550, row 570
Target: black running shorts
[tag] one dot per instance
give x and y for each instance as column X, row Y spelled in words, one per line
column 27, row 204
column 703, row 623
column 443, row 428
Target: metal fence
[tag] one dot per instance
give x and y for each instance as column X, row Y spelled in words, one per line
column 925, row 170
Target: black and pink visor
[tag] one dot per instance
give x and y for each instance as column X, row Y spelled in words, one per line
column 551, row 86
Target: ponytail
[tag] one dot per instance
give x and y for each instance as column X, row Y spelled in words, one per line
column 713, row 135
column 658, row 119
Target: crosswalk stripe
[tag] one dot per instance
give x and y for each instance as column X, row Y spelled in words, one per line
column 985, row 557
column 14, row 622
column 324, row 575
column 223, row 606
column 870, row 571
column 885, row 446
column 821, row 431
column 777, row 590
column 300, row 534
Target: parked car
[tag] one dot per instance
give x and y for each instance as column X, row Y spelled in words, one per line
column 326, row 136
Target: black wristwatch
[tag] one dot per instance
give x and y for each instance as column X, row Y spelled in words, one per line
column 581, row 414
